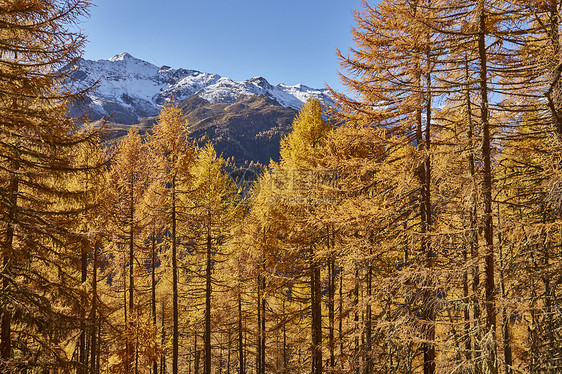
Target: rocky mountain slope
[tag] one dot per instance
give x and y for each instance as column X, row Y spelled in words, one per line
column 128, row 89
column 244, row 120
column 249, row 129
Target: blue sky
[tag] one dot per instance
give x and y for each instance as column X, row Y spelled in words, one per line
column 288, row 41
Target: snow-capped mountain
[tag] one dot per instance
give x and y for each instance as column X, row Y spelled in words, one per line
column 129, row 88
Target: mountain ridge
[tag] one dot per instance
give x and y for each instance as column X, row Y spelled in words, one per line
column 128, row 89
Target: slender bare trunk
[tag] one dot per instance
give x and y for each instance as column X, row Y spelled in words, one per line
column 175, row 307
column 7, row 253
column 368, row 317
column 242, row 369
column 487, row 191
column 207, row 337
column 331, row 311
column 153, row 289
column 127, row 363
column 429, row 298
column 285, row 357
column 340, row 316
column 472, row 222
column 316, row 307
column 331, row 296
column 259, row 348
column 131, row 272
column 94, row 344
column 473, row 238
column 261, row 318
column 263, row 337
column 356, row 321
column 163, row 341
column 84, row 276
column 197, row 355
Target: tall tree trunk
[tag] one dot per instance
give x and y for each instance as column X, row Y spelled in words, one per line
column 429, row 308
column 340, row 316
column 368, row 316
column 175, row 308
column 423, row 141
column 554, row 35
column 506, row 336
column 83, row 354
column 207, row 338
column 428, row 351
column 534, row 339
column 131, row 273
column 228, row 351
column 331, row 298
column 316, row 306
column 472, row 221
column 261, row 317
column 7, row 254
column 357, row 359
column 94, row 344
column 127, row 363
column 242, row 369
column 552, row 333
column 331, row 311
column 259, row 348
column 285, row 356
column 197, row 355
column 487, row 190
column 136, row 325
column 153, row 289
column 263, row 337
column 554, row 356
column 473, row 238
column 163, row 341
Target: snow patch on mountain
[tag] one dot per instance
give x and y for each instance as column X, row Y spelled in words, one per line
column 128, row 88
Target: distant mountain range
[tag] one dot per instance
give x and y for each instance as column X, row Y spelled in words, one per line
column 244, row 120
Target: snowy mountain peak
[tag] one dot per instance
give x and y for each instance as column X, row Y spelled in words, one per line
column 129, row 88
column 121, row 57
column 260, row 82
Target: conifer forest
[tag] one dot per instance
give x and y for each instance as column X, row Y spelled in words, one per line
column 414, row 226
